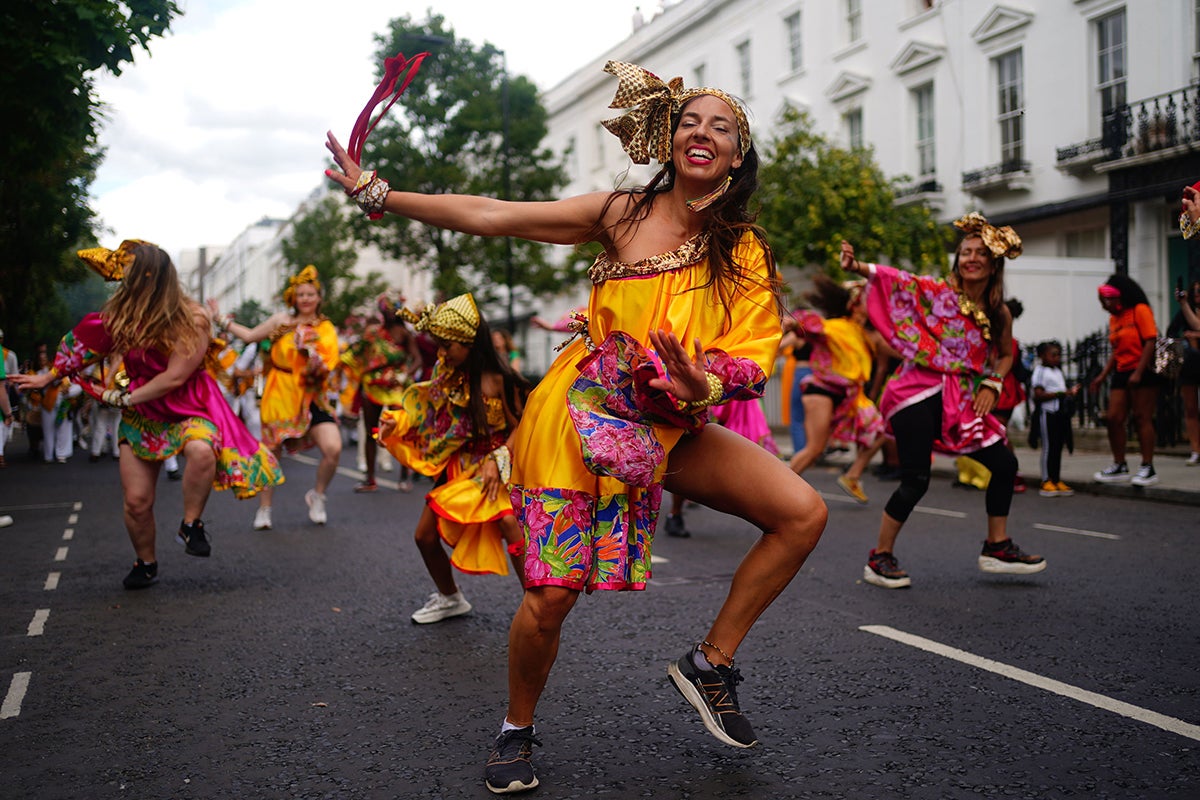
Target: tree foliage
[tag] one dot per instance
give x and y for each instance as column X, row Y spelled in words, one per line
column 318, row 237
column 48, row 144
column 815, row 194
column 446, row 134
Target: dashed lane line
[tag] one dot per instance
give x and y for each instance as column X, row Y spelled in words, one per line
column 68, row 534
column 1169, row 724
column 61, row 554
column 37, row 626
column 16, row 694
column 52, row 581
column 1077, row 531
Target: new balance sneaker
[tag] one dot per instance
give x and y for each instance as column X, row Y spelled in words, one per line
column 675, row 526
column 883, row 570
column 262, row 518
column 1006, row 558
column 712, row 690
column 142, row 575
column 853, row 488
column 1146, row 476
column 1113, row 473
column 194, row 539
column 509, row 766
column 1064, row 490
column 316, row 506
column 441, row 607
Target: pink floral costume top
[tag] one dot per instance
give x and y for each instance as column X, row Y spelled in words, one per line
column 435, row 435
column 945, row 351
column 841, row 360
column 196, row 410
column 591, row 451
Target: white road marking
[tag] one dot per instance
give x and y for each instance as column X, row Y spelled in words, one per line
column 68, row 534
column 1077, row 531
column 1169, row 724
column 74, row 518
column 52, row 581
column 61, row 554
column 940, row 512
column 658, row 559
column 78, row 505
column 16, row 694
column 38, row 507
column 37, row 626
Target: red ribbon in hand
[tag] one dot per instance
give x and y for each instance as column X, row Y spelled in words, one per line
column 393, row 68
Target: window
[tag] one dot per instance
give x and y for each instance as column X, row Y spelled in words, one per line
column 854, row 20
column 1089, row 243
column 1110, row 53
column 926, row 156
column 743, row 62
column 852, row 121
column 698, row 76
column 1010, row 85
column 795, row 48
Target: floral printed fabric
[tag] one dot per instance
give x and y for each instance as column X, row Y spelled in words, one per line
column 379, row 364
column 614, row 408
column 583, row 542
column 841, row 361
column 944, row 351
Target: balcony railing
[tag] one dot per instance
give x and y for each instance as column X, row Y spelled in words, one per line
column 1013, row 175
column 1145, row 126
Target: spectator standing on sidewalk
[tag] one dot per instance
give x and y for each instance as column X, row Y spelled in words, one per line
column 1189, row 374
column 949, row 333
column 1134, row 387
column 1050, row 428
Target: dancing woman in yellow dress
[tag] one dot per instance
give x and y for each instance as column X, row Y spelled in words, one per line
column 455, row 426
column 296, row 412
column 683, row 314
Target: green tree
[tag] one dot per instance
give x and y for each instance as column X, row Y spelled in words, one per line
column 814, row 195
column 48, row 144
column 446, row 134
column 319, row 237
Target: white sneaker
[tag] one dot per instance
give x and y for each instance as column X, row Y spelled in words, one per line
column 1146, row 476
column 316, row 506
column 1113, row 473
column 5, row 521
column 262, row 518
column 1193, row 460
column 440, row 607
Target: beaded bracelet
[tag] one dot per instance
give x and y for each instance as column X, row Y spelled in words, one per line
column 993, row 383
column 716, row 390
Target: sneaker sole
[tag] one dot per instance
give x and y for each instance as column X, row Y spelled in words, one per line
column 862, row 501
column 515, row 786
column 440, row 616
column 1148, row 482
column 998, row 567
column 692, row 695
column 875, row 579
column 1108, row 479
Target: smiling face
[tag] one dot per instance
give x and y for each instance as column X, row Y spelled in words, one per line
column 975, row 261
column 705, row 146
column 306, row 300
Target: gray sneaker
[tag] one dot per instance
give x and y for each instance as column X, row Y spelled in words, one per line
column 1146, row 476
column 712, row 691
column 510, row 766
column 441, row 607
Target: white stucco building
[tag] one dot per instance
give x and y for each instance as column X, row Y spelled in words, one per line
column 1075, row 121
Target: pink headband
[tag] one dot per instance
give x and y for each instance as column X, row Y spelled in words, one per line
column 1111, row 292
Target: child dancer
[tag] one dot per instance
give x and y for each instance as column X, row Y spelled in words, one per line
column 455, row 426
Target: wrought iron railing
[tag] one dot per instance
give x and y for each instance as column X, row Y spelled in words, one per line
column 930, row 186
column 987, row 174
column 1144, row 126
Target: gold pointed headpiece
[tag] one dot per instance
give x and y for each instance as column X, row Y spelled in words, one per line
column 455, row 320
column 1003, row 242
column 111, row 264
column 645, row 129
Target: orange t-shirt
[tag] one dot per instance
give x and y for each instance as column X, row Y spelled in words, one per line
column 1128, row 331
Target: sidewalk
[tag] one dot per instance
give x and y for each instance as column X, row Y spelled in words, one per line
column 1177, row 482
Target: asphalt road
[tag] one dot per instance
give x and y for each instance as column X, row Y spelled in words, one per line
column 285, row 665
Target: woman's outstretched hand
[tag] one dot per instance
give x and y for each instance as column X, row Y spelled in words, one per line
column 350, row 171
column 849, row 263
column 688, row 382
column 25, row 381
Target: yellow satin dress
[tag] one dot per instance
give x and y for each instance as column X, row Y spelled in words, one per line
column 287, row 396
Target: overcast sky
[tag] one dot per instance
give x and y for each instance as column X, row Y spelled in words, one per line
column 224, row 122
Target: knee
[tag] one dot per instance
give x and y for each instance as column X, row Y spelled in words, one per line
column 200, row 454
column 548, row 606
column 139, row 505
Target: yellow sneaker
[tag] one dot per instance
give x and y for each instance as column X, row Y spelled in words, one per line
column 853, row 488
column 1049, row 489
column 1064, row 490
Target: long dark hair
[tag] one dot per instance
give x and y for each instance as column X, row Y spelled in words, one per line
column 728, row 219
column 1131, row 294
column 830, row 296
column 481, row 358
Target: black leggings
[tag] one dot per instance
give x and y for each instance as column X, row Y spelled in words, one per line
column 916, row 429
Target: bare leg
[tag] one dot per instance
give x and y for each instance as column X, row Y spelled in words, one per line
column 889, row 529
column 788, row 511
column 514, row 537
column 198, row 474
column 138, row 483
column 328, row 438
column 533, row 647
column 865, row 454
column 1118, row 411
column 818, row 416
column 429, row 543
column 1144, row 400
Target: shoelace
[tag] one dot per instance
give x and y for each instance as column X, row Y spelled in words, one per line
column 731, row 677
column 521, row 738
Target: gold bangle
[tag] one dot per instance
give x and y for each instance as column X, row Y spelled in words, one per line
column 993, row 384
column 503, row 458
column 716, row 390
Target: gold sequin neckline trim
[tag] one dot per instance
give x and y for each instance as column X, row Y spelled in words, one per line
column 690, row 252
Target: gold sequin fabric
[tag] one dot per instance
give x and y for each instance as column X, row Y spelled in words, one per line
column 111, row 264
column 645, row 129
column 690, row 252
column 1003, row 242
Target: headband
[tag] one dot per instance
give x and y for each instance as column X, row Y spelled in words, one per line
column 1003, row 242
column 389, row 302
column 306, row 275
column 645, row 129
column 455, row 320
column 111, row 264
column 1111, row 292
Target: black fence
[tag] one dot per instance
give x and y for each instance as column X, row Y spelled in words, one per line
column 1085, row 359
